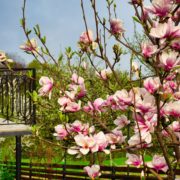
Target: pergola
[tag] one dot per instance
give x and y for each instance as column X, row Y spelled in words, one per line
column 17, row 110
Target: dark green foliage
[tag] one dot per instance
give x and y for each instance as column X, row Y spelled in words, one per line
column 6, row 174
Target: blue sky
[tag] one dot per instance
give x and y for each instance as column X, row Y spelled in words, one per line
column 60, row 20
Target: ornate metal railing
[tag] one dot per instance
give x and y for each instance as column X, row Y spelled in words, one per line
column 16, row 104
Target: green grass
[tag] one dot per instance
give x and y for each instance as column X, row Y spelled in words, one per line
column 116, row 161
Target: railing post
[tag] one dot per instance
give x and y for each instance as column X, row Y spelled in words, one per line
column 18, row 157
column 113, row 172
column 34, row 88
column 64, row 165
column 7, row 99
column 128, row 136
column 30, row 170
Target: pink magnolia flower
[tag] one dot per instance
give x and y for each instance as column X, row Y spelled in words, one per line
column 72, row 107
column 103, row 74
column 30, row 46
column 116, row 26
column 145, row 102
column 152, row 84
column 78, row 90
column 160, row 8
column 171, row 76
column 158, row 163
column 172, row 84
column 61, row 132
column 101, row 142
column 133, row 159
column 87, row 130
column 122, row 98
column 175, row 126
column 177, row 95
column 93, row 171
column 148, row 49
column 135, row 69
column 77, row 79
column 121, row 121
column 172, row 109
column 86, row 37
column 169, row 87
column 68, row 104
column 97, row 105
column 47, row 85
column 175, row 44
column 165, row 30
column 85, row 143
column 63, row 101
column 176, row 15
column 76, row 126
column 3, row 57
column 111, row 102
column 144, row 125
column 169, row 60
column 151, row 117
column 145, row 139
column 119, row 135
column 115, row 137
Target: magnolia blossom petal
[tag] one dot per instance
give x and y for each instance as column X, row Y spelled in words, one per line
column 121, row 121
column 77, row 79
column 93, row 171
column 4, row 58
column 116, row 26
column 166, row 30
column 148, row 49
column 84, row 151
column 158, row 163
column 160, row 8
column 152, row 84
column 30, row 46
column 133, row 159
column 86, row 37
column 47, row 85
column 169, row 60
column 73, row 150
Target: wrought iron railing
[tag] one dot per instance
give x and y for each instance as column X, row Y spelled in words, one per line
column 16, row 104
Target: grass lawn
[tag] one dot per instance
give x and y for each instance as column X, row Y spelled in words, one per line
column 116, row 161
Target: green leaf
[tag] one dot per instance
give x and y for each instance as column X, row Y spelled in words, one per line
column 60, row 58
column 136, row 19
column 29, row 74
column 60, row 116
column 22, row 22
column 37, row 29
column 35, row 96
column 43, row 40
column 28, row 32
column 67, row 118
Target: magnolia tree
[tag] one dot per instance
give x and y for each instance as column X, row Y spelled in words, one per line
column 151, row 108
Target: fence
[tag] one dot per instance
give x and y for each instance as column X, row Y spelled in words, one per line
column 15, row 102
column 74, row 172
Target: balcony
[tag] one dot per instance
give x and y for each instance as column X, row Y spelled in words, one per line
column 17, row 110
